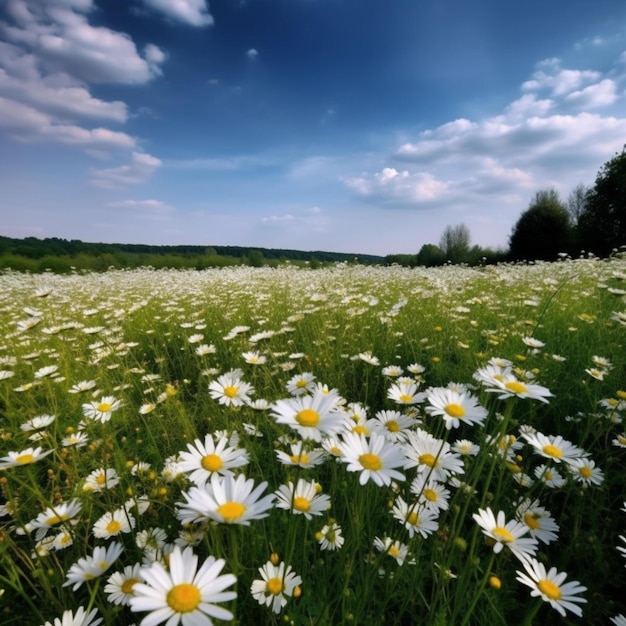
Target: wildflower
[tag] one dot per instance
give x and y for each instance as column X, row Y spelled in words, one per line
column 302, row 499
column 584, row 471
column 550, row 587
column 368, row 357
column 204, row 349
column 431, row 455
column 80, row 618
column 454, row 407
column 330, row 537
column 620, row 440
column 23, row 457
column 101, row 479
column 509, row 534
column 48, row 370
column 196, row 338
column 416, row 518
column 539, row 521
column 393, row 371
column 392, row 424
column 119, row 587
column 596, row 373
column 431, row 493
column 396, row 549
column 510, row 386
column 204, row 459
column 101, row 410
column 184, row 593
column 230, row 390
column 37, row 423
column 374, row 458
column 405, row 392
column 301, row 457
column 554, row 447
column 549, row 476
column 77, row 440
column 310, row 416
column 93, row 566
column 83, row 385
column 113, row 523
column 226, row 500
column 465, row 447
column 277, row 581
column 54, row 516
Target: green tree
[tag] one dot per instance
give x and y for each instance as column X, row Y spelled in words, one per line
column 430, row 255
column 602, row 224
column 455, row 243
column 543, row 229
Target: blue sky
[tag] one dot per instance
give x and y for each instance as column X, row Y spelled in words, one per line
column 340, row 125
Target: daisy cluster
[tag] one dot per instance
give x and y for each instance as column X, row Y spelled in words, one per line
column 197, row 447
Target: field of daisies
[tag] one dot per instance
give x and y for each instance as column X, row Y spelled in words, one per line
column 347, row 445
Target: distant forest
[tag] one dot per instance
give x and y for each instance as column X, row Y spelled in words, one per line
column 63, row 255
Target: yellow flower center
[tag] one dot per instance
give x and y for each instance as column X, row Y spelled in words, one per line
column 612, row 402
column 301, row 384
column 413, row 518
column 113, row 527
column 24, row 459
column 392, row 426
column 274, row 586
column 406, row 398
column 585, row 472
column 183, row 598
column 301, row 504
column 104, row 407
column 395, row 552
column 101, row 479
column 302, row 458
column 454, row 410
column 370, row 462
column 430, row 494
column 549, row 589
column 231, row 511
column 211, row 463
column 427, row 459
column 361, row 430
column 503, row 535
column 230, row 391
column 308, row 418
column 516, row 387
column 53, row 520
column 551, row 450
column 548, row 475
column 127, row 586
column 531, row 520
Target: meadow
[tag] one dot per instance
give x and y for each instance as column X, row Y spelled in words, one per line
column 345, row 445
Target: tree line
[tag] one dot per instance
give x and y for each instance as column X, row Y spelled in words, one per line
column 592, row 220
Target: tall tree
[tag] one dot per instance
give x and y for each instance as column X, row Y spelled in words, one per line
column 576, row 202
column 455, row 243
column 542, row 230
column 602, row 225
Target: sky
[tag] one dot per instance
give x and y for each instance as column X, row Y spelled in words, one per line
column 358, row 126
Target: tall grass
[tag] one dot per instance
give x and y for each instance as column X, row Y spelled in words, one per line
column 155, row 341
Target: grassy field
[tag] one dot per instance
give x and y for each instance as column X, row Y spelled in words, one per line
column 346, row 445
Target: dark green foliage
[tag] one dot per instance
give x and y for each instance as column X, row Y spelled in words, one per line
column 602, row 223
column 543, row 230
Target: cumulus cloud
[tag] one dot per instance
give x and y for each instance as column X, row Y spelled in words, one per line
column 253, row 53
column 138, row 171
column 192, row 12
column 600, row 94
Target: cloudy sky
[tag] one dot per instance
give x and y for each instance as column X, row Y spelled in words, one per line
column 341, row 125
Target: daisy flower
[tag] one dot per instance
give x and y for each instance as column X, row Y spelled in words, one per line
column 301, row 457
column 374, row 458
column 101, row 410
column 541, row 524
column 37, row 423
column 431, row 493
column 392, row 424
column 311, row 416
column 230, row 390
column 416, row 518
column 205, row 459
column 254, row 358
column 277, row 582
column 465, row 447
column 584, row 471
column 184, row 593
column 80, row 618
column 551, row 587
column 454, row 407
column 93, row 566
column 77, row 440
column 302, row 499
column 83, row 385
column 330, row 537
column 23, row 457
column 301, row 384
column 54, row 516
column 101, row 479
column 549, row 476
column 554, row 447
column 225, row 500
column 119, row 587
column 510, row 386
column 431, row 455
column 395, row 549
column 405, row 392
column 113, row 523
column 509, row 534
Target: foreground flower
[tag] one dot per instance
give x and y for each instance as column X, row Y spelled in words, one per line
column 509, row 534
column 375, row 458
column 55, row 516
column 454, row 407
column 554, row 447
column 549, row 586
column 277, row 581
column 81, row 618
column 302, row 499
column 508, row 386
column 541, row 524
column 93, row 566
column 23, row 457
column 120, row 585
column 226, row 500
column 184, row 593
column 230, row 390
column 100, row 410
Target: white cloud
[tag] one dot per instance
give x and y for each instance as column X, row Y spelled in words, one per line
column 192, row 12
column 601, row 94
column 253, row 53
column 144, row 205
column 138, row 171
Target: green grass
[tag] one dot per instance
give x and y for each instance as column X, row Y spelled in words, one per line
column 128, row 332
